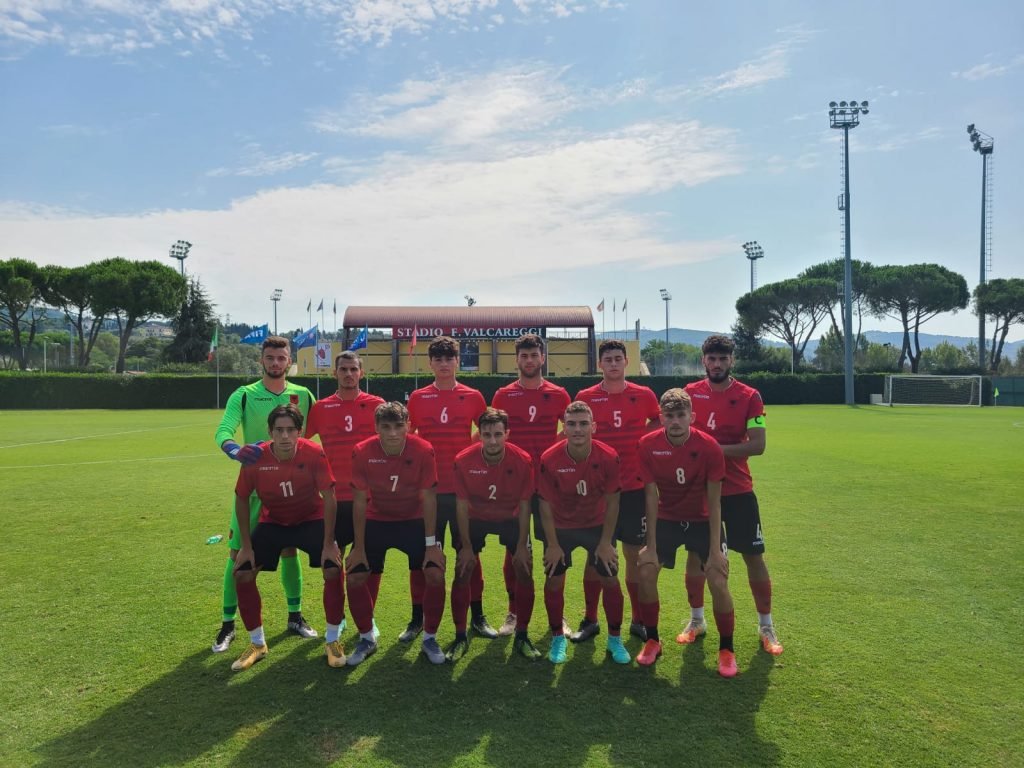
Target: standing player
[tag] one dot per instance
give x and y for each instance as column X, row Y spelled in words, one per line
column 249, row 407
column 443, row 414
column 579, row 507
column 394, row 507
column 733, row 414
column 534, row 406
column 493, row 488
column 682, row 470
column 623, row 412
column 293, row 482
column 342, row 420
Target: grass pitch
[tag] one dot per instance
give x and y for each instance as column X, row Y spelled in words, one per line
column 894, row 542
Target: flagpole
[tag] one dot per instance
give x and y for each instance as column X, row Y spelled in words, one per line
column 615, row 314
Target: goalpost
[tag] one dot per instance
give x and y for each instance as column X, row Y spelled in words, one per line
column 923, row 389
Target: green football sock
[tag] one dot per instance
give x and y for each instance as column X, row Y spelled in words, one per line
column 230, row 596
column 291, row 580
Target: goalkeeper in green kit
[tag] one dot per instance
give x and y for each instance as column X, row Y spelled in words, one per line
column 249, row 407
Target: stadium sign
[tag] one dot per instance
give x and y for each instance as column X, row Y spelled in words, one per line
column 462, row 332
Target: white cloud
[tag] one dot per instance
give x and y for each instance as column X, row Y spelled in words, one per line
column 255, row 162
column 987, row 69
column 401, row 230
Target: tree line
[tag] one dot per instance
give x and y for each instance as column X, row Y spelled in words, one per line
column 793, row 310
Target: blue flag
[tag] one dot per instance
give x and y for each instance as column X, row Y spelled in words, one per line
column 360, row 340
column 256, row 335
column 305, row 339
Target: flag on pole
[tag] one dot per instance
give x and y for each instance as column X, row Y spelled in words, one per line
column 361, row 339
column 256, row 335
column 600, row 307
column 309, row 306
column 321, row 307
column 624, row 301
column 335, row 306
column 613, row 306
column 415, row 335
column 213, row 344
column 995, row 392
column 306, row 338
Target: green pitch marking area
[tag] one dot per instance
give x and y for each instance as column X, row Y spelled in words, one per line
column 894, row 542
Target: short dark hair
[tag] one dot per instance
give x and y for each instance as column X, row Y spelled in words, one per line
column 492, row 416
column 443, row 346
column 276, row 342
column 530, row 341
column 721, row 344
column 288, row 410
column 348, row 354
column 611, row 345
column 394, row 412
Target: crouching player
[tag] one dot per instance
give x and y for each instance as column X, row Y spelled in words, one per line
column 579, row 507
column 297, row 509
column 394, row 506
column 493, row 490
column 682, row 469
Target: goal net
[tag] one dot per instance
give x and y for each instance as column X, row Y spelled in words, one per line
column 921, row 389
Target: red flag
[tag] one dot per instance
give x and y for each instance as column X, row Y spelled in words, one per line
column 412, row 344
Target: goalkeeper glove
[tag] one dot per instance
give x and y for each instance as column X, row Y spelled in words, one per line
column 248, row 454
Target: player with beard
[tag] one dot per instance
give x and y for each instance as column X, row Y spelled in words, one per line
column 733, row 414
column 248, row 407
column 535, row 407
column 342, row 420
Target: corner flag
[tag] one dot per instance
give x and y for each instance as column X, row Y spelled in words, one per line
column 306, row 338
column 360, row 340
column 213, row 343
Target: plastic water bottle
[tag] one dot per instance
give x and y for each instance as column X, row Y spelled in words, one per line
column 215, row 539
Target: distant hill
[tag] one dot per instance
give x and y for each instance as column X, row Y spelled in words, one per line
column 696, row 338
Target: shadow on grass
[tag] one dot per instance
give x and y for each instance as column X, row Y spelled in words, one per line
column 492, row 708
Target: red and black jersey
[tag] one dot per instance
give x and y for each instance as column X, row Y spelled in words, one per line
column 393, row 483
column 681, row 473
column 445, row 418
column 727, row 416
column 621, row 420
column 576, row 490
column 533, row 415
column 341, row 424
column 289, row 491
column 493, row 490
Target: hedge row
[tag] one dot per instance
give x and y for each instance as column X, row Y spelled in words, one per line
column 77, row 390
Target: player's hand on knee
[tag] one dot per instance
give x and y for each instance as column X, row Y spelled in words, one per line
column 465, row 562
column 330, row 558
column 718, row 565
column 245, row 561
column 553, row 557
column 647, row 556
column 356, row 557
column 608, row 557
column 433, row 557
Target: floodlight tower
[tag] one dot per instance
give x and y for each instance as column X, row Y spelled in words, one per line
column 180, row 251
column 754, row 252
column 667, row 298
column 274, row 298
column 984, row 145
column 846, row 115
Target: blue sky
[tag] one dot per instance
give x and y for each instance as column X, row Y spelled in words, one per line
column 520, row 151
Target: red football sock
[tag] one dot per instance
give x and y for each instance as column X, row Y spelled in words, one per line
column 523, row 608
column 476, row 582
column 460, row 604
column 762, row 591
column 634, row 601
column 695, row 590
column 612, row 600
column 334, row 601
column 508, row 570
column 591, row 596
column 433, row 607
column 373, row 583
column 651, row 613
column 554, row 603
column 416, row 586
column 249, row 604
column 360, row 602
column 726, row 623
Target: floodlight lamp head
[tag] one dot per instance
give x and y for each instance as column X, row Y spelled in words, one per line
column 842, row 103
column 864, row 105
column 970, row 128
column 832, row 104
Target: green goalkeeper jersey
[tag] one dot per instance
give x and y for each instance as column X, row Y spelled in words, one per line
column 250, row 407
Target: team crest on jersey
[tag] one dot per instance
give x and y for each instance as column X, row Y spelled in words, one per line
column 293, row 399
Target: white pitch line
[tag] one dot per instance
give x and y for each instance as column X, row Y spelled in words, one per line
column 112, row 461
column 106, row 434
